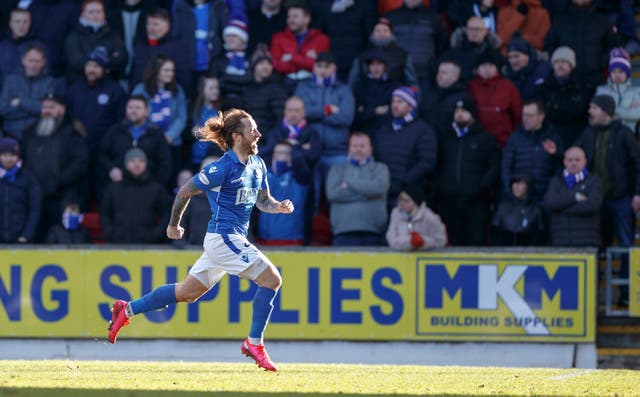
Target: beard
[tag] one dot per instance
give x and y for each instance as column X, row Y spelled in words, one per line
column 46, row 126
column 249, row 147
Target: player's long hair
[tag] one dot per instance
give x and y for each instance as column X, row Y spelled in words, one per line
column 219, row 129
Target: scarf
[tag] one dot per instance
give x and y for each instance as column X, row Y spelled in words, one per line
column 160, row 109
column 237, row 65
column 572, row 179
column 326, row 81
column 398, row 123
column 357, row 163
column 460, row 132
column 137, row 131
column 10, row 174
column 294, row 130
column 71, row 221
column 87, row 24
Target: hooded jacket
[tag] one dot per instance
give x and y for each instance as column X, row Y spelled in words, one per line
column 426, row 222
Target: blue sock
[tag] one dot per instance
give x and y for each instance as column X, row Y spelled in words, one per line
column 156, row 299
column 262, row 308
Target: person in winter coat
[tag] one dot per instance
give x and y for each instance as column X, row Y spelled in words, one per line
column 458, row 12
column 135, row 132
column 528, row 17
column 265, row 21
column 468, row 169
column 357, row 194
column 534, row 147
column 575, row 197
column 413, row 226
column 136, row 209
column 70, row 230
column 14, row 46
column 524, row 69
column 20, row 196
column 22, row 92
column 499, row 102
column 93, row 32
column 620, row 87
column 518, row 220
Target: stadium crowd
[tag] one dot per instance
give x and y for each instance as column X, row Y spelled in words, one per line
column 408, row 123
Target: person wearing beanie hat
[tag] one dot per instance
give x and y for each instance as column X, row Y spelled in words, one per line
column 21, row 193
column 407, row 94
column 620, row 87
column 237, row 28
column 498, row 100
column 135, row 153
column 605, row 103
column 99, row 56
column 565, row 54
column 524, row 69
column 413, row 225
column 468, row 168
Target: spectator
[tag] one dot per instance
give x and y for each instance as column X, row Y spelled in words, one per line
column 385, row 6
column 135, row 132
column 620, row 87
column 295, row 49
column 21, row 93
column 534, row 147
column 57, row 155
column 575, row 198
column 290, row 177
column 205, row 106
column 70, row 230
column 458, row 12
column 399, row 64
column 90, row 33
column 20, row 209
column 330, row 108
column 97, row 101
column 265, row 21
column 529, row 17
column 468, row 169
column 469, row 43
column 158, row 41
column 413, row 226
column 518, row 220
column 407, row 145
column 565, row 96
column 51, row 22
column 167, row 104
column 499, row 102
column 265, row 95
column 357, row 194
column 439, row 99
column 207, row 20
column 347, row 24
column 613, row 155
column 373, row 94
column 420, row 31
column 295, row 130
column 233, row 67
column 15, row 45
column 134, row 210
column 589, row 33
column 524, row 69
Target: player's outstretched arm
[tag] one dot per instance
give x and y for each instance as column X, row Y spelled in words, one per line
column 266, row 203
column 189, row 189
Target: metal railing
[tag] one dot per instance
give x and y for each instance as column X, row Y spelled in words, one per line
column 611, row 281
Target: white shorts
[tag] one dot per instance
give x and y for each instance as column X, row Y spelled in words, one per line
column 228, row 253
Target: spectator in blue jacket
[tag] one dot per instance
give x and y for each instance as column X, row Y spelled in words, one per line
column 21, row 92
column 288, row 176
column 13, row 47
column 330, row 108
column 21, row 196
column 167, row 104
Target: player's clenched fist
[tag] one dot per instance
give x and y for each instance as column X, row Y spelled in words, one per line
column 286, row 207
column 175, row 232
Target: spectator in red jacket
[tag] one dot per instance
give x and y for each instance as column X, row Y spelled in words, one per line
column 295, row 49
column 499, row 102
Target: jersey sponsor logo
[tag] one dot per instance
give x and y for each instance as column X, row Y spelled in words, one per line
column 246, row 195
column 203, row 178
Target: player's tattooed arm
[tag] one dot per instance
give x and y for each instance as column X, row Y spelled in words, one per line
column 266, row 203
column 181, row 201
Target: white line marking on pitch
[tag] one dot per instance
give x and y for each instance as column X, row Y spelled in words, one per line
column 572, row 375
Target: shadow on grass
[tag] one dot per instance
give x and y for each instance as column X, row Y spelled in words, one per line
column 34, row 392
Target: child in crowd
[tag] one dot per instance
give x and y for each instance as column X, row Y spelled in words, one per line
column 70, row 231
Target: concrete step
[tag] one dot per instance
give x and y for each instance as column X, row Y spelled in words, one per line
column 627, row 358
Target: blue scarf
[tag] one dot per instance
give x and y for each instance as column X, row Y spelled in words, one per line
column 326, row 81
column 137, row 131
column 160, row 113
column 294, row 130
column 357, row 163
column 10, row 174
column 71, row 221
column 572, row 179
column 237, row 65
column 398, row 123
column 460, row 132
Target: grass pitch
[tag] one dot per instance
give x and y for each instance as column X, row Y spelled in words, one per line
column 114, row 379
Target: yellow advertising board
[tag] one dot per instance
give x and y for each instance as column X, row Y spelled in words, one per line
column 634, row 282
column 326, row 296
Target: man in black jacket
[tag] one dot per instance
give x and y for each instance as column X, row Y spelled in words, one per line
column 575, row 197
column 468, row 169
column 439, row 99
column 135, row 210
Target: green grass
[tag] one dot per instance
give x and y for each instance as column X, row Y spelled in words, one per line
column 112, row 378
